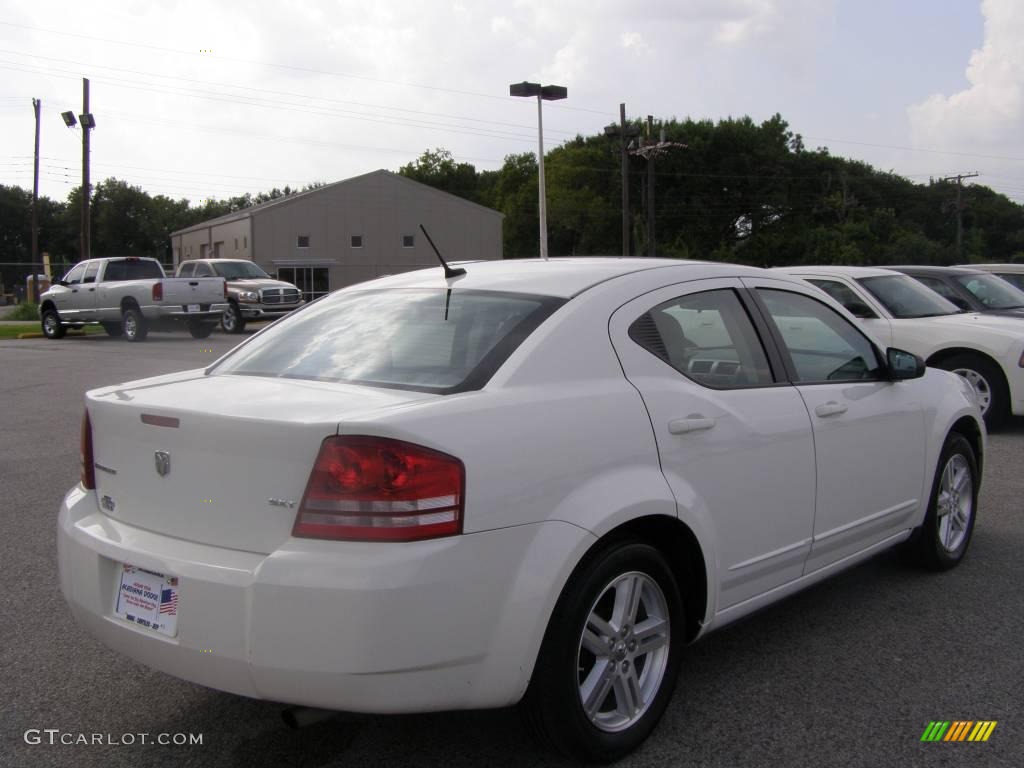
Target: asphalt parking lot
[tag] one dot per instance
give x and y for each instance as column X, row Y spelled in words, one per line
column 848, row 673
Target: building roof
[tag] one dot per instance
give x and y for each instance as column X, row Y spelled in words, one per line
column 252, row 210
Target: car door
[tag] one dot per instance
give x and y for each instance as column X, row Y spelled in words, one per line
column 733, row 437
column 68, row 297
column 87, row 296
column 869, row 432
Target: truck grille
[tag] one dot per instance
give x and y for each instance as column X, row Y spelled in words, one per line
column 281, row 295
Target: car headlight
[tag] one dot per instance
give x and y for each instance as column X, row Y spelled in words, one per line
column 248, row 296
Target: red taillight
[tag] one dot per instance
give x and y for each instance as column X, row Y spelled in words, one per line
column 377, row 489
column 225, row 289
column 158, row 291
column 88, row 473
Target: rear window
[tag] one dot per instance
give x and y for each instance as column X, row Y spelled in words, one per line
column 430, row 340
column 132, row 269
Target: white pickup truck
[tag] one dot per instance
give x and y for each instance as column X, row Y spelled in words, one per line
column 130, row 296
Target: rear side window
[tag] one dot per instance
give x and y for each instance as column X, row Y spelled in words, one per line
column 424, row 339
column 132, row 269
column 707, row 337
column 187, row 269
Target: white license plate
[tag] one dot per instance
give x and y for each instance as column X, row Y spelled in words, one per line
column 147, row 599
column 192, row 308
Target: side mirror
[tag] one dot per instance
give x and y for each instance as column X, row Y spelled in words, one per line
column 903, row 365
column 859, row 309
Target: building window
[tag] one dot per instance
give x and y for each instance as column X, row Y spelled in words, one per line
column 302, row 241
column 408, row 241
column 245, row 241
column 357, row 241
column 236, row 243
column 314, row 282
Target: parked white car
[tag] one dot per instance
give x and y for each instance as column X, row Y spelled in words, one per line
column 535, row 482
column 987, row 350
column 1011, row 273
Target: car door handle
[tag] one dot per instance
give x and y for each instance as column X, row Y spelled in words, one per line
column 830, row 408
column 694, row 423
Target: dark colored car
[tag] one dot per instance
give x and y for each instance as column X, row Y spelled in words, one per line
column 970, row 289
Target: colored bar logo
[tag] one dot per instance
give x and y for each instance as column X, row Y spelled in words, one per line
column 959, row 730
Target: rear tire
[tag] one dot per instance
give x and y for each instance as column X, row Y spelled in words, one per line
column 941, row 541
column 988, row 382
column 113, row 329
column 52, row 328
column 199, row 329
column 133, row 325
column 232, row 320
column 610, row 656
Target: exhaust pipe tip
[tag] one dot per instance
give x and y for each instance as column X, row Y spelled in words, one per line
column 301, row 717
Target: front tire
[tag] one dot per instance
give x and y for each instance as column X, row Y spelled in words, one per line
column 988, row 383
column 133, row 325
column 52, row 328
column 232, row 320
column 610, row 657
column 941, row 541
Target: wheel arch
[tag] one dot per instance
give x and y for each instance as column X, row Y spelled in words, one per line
column 47, row 304
column 129, row 302
column 940, row 356
column 969, row 428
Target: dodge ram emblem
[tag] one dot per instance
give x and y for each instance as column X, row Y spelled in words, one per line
column 163, row 462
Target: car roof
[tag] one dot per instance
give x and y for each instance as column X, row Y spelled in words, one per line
column 563, row 277
column 831, row 269
column 930, row 269
column 1010, row 269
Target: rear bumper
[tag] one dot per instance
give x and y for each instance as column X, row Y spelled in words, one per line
column 434, row 625
column 178, row 312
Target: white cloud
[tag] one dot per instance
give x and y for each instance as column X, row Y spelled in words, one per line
column 989, row 114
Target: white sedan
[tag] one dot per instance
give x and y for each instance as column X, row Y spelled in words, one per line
column 987, row 350
column 536, row 482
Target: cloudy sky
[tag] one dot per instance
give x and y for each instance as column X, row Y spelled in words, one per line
column 209, row 99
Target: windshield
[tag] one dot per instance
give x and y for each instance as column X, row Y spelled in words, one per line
column 993, row 292
column 238, row 270
column 904, row 297
column 431, row 340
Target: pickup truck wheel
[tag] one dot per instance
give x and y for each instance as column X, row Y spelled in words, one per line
column 52, row 329
column 199, row 329
column 133, row 325
column 232, row 321
column 113, row 329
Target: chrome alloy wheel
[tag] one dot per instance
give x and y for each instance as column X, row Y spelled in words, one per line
column 130, row 325
column 50, row 324
column 623, row 651
column 981, row 387
column 955, row 504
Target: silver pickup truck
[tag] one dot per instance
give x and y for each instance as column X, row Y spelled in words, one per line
column 252, row 293
column 130, row 296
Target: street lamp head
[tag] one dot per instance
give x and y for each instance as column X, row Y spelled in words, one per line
column 69, row 119
column 524, row 89
column 553, row 92
column 88, row 121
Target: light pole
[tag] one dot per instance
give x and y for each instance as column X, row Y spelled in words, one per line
column 88, row 123
column 543, row 93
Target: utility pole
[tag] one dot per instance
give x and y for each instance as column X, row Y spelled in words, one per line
column 34, row 297
column 624, row 133
column 650, row 190
column 85, row 170
column 959, row 207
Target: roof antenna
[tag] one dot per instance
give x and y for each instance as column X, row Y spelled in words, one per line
column 449, row 272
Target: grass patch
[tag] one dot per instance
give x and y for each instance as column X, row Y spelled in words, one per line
column 13, row 330
column 25, row 311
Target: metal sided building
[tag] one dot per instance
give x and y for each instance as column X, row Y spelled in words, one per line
column 347, row 232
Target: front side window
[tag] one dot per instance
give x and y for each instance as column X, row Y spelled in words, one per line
column 904, row 297
column 822, row 345
column 707, row 337
column 74, row 277
column 844, row 294
column 992, row 291
column 90, row 272
column 937, row 285
column 423, row 339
